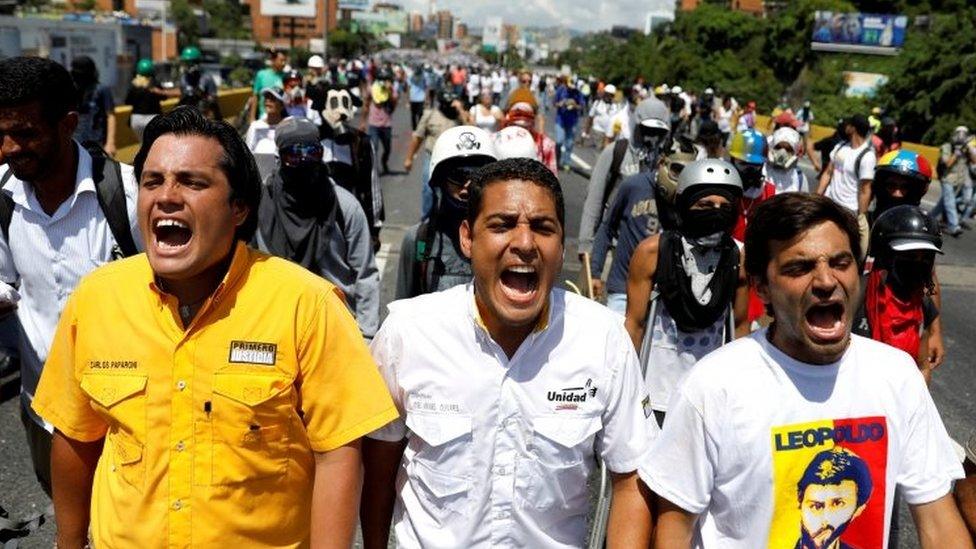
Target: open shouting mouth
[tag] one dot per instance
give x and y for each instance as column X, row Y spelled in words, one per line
column 826, row 321
column 170, row 235
column 520, row 283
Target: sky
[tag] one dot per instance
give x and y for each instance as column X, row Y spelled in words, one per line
column 584, row 15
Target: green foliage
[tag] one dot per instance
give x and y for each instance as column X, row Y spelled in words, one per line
column 85, row 5
column 187, row 24
column 932, row 83
column 226, row 18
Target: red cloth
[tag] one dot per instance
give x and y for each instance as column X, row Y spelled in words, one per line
column 756, row 307
column 893, row 321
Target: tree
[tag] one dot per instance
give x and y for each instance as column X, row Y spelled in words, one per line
column 226, row 18
column 187, row 23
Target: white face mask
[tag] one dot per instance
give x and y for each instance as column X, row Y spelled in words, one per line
column 783, row 158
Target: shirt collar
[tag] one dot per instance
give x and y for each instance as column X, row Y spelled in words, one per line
column 540, row 326
column 20, row 191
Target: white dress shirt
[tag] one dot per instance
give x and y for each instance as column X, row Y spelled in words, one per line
column 499, row 450
column 49, row 254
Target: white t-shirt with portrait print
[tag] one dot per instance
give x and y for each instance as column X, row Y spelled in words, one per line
column 754, row 439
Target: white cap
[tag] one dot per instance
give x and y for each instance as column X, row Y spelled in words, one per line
column 676, row 89
column 515, row 142
column 709, row 91
column 610, row 88
column 907, row 244
column 789, row 136
column 316, row 62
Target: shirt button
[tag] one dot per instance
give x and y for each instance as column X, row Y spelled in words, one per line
column 180, row 446
column 181, row 385
column 177, row 505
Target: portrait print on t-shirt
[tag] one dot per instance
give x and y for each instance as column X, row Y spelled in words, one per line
column 829, row 484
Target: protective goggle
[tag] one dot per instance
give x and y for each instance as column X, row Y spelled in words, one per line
column 297, row 155
column 459, row 176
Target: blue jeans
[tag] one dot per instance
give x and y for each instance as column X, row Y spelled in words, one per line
column 426, row 193
column 617, row 303
column 565, row 136
column 947, row 206
column 967, row 200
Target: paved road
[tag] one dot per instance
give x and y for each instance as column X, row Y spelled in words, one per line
column 953, row 387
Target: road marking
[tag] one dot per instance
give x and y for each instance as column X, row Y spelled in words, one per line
column 381, row 257
column 581, row 162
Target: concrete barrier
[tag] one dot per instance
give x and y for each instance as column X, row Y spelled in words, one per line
column 231, row 102
column 764, row 124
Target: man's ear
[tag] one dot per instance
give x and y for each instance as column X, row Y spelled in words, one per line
column 466, row 234
column 762, row 288
column 69, row 123
column 241, row 212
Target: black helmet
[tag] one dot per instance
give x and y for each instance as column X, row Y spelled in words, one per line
column 901, row 229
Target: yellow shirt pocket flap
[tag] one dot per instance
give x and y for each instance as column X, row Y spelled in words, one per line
column 110, row 389
column 127, row 451
column 249, row 388
column 438, row 429
column 565, row 430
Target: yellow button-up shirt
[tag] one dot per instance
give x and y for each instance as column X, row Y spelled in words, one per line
column 209, row 430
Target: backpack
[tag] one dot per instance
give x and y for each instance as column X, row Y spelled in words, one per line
column 107, row 174
column 613, row 176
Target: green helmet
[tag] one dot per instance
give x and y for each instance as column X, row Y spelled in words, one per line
column 145, row 67
column 190, row 54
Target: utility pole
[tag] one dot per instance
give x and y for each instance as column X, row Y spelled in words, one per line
column 325, row 30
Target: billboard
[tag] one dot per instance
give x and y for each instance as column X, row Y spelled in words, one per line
column 491, row 36
column 353, row 4
column 863, row 84
column 381, row 23
column 858, row 32
column 288, row 8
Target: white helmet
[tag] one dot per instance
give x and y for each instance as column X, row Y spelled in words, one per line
column 676, row 90
column 470, row 143
column 316, row 62
column 782, row 158
column 710, row 171
column 515, row 142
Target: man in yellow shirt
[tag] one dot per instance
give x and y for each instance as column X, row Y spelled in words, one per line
column 205, row 394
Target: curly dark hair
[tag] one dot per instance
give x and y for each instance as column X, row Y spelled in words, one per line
column 524, row 169
column 237, row 162
column 24, row 80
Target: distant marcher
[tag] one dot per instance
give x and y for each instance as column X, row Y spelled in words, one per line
column 96, row 107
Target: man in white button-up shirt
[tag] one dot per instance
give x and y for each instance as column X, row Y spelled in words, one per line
column 58, row 232
column 508, row 389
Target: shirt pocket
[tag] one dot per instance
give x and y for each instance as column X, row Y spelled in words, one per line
column 439, row 468
column 121, row 399
column 247, row 430
column 553, row 476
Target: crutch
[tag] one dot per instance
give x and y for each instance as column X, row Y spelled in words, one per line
column 601, row 517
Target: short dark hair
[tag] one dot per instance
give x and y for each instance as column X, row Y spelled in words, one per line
column 860, row 123
column 835, row 466
column 24, row 80
column 525, row 169
column 784, row 217
column 237, row 162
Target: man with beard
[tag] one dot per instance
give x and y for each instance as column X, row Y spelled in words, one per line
column 432, row 124
column 747, row 418
column 307, row 218
column 430, row 255
column 631, row 214
column 56, row 225
column 509, row 388
column 348, row 152
column 618, row 162
column 690, row 278
column 833, row 491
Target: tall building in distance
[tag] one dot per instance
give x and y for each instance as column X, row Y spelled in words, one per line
column 755, row 7
column 416, row 22
column 283, row 32
column 445, row 25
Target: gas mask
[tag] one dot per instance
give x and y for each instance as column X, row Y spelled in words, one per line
column 338, row 109
column 783, row 158
column 648, row 144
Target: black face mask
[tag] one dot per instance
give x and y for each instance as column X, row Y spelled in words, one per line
column 908, row 276
column 885, row 202
column 302, row 182
column 449, row 111
column 751, row 174
column 699, row 223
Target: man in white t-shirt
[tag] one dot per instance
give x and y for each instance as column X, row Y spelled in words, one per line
column 798, row 435
column 847, row 178
column 508, row 390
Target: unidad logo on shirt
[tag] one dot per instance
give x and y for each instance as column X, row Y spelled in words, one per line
column 573, row 394
column 252, row 352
